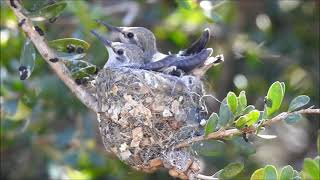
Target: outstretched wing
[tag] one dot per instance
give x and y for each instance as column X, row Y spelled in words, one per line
column 198, row 45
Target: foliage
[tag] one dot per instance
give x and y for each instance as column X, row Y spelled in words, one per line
column 43, row 124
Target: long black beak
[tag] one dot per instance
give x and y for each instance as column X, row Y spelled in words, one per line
column 109, row 27
column 104, row 40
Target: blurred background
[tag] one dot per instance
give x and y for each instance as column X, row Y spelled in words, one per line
column 54, row 136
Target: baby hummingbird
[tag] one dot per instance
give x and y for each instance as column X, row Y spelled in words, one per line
column 146, row 40
column 121, row 54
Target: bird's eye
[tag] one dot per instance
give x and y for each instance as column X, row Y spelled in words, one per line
column 130, row 35
column 120, row 52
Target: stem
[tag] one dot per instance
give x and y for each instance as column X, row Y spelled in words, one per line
column 47, row 53
column 222, row 133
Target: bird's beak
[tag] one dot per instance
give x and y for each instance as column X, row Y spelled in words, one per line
column 104, row 40
column 110, row 27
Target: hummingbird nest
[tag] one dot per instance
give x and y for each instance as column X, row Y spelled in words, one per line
column 144, row 114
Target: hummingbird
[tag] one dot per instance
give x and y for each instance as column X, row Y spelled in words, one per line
column 146, row 40
column 121, row 54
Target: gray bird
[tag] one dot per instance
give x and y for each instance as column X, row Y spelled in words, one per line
column 121, row 54
column 146, row 40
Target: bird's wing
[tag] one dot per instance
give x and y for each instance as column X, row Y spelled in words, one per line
column 198, row 45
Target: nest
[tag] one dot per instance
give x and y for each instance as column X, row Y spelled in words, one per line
column 143, row 115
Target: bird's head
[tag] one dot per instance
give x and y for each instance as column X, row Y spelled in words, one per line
column 121, row 54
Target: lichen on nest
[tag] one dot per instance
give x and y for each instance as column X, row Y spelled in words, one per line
column 143, row 114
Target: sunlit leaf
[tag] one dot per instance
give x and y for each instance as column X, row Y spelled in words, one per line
column 225, row 115
column 283, row 85
column 293, row 118
column 252, row 117
column 217, row 174
column 47, row 12
column 75, row 174
column 242, row 99
column 317, row 160
column 270, row 172
column 286, row 173
column 241, row 122
column 311, row 168
column 232, row 102
column 22, row 112
column 275, row 96
column 63, row 45
column 27, row 60
column 298, row 102
column 231, row 170
column 211, row 123
column 209, row 148
column 267, row 136
column 258, row 174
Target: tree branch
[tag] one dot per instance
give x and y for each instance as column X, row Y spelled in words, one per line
column 47, row 53
column 222, row 133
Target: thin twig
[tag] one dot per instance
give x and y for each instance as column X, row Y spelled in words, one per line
column 222, row 133
column 47, row 53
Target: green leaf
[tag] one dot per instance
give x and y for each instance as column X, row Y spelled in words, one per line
column 311, row 169
column 185, row 4
column 248, row 109
column 61, row 44
column 275, row 96
column 242, row 99
column 231, row 170
column 232, row 102
column 292, row 118
column 298, row 102
column 22, row 112
column 47, row 12
column 27, row 60
column 225, row 116
column 252, row 117
column 270, row 172
column 242, row 147
column 286, row 173
column 209, row 148
column 80, row 68
column 241, row 122
column 258, row 174
column 211, row 123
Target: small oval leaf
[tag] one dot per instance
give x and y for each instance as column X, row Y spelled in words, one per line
column 232, row 102
column 209, row 148
column 62, row 44
column 311, row 169
column 298, row 102
column 211, row 123
column 293, row 118
column 248, row 109
column 270, row 172
column 47, row 12
column 231, row 170
column 286, row 173
column 27, row 60
column 241, row 122
column 275, row 96
column 258, row 174
column 252, row 117
column 225, row 116
column 242, row 101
